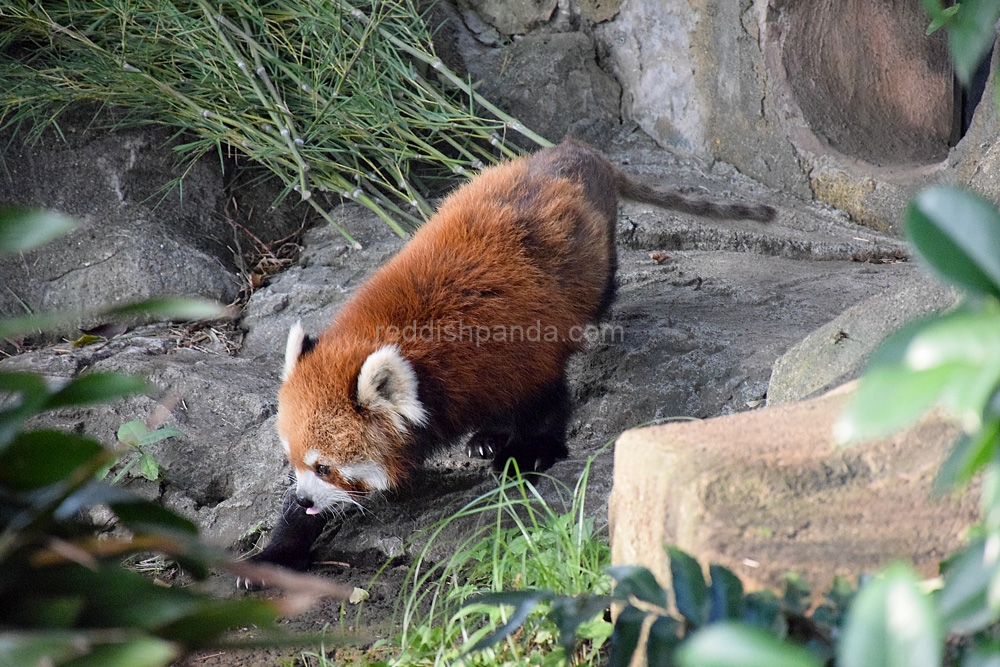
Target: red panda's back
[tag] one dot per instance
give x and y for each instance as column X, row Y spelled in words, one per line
column 491, row 296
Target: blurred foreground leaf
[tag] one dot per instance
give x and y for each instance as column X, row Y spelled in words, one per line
column 23, row 229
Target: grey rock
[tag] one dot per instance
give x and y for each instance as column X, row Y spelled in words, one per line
column 514, row 17
column 132, row 236
column 838, row 351
column 551, row 82
column 649, row 51
column 136, row 231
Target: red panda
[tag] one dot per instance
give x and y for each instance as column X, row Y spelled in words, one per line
column 467, row 330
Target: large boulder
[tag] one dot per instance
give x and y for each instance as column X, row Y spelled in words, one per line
column 143, row 230
column 769, row 492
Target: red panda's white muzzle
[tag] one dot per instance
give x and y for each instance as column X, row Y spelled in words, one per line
column 316, row 494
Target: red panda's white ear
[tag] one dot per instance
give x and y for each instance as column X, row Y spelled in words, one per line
column 298, row 344
column 388, row 384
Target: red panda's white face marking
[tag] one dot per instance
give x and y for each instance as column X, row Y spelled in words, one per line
column 370, row 473
column 342, row 443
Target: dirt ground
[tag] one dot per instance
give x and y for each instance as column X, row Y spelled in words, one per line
column 360, row 624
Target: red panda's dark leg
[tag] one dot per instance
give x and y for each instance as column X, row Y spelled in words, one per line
column 539, row 436
column 293, row 536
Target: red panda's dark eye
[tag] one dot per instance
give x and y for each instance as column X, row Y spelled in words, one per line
column 322, row 470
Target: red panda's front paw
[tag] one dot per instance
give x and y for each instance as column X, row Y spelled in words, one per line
column 485, row 445
column 289, row 556
column 292, row 538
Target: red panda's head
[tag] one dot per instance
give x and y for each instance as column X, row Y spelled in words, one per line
column 345, row 417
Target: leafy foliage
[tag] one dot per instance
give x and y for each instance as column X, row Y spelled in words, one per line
column 951, row 361
column 328, row 95
column 971, row 31
column 701, row 622
column 64, row 598
column 136, row 434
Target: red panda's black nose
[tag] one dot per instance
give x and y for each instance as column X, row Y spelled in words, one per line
column 304, row 502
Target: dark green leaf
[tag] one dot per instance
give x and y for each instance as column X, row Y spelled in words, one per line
column 53, row 611
column 958, row 233
column 625, row 637
column 835, row 604
column 761, row 609
column 25, row 395
column 731, row 645
column 215, row 617
column 112, row 596
column 40, row 458
column 146, row 515
column 797, row 595
column 96, row 388
column 522, row 601
column 569, row 612
column 963, row 603
column 690, row 589
column 726, row 594
column 638, row 582
column 138, row 652
column 967, row 456
column 971, row 35
column 22, row 229
column 25, row 384
column 891, row 623
column 664, row 637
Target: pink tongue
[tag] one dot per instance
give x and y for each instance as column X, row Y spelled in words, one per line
column 312, row 510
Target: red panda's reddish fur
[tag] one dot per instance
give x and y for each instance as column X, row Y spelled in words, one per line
column 517, row 247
